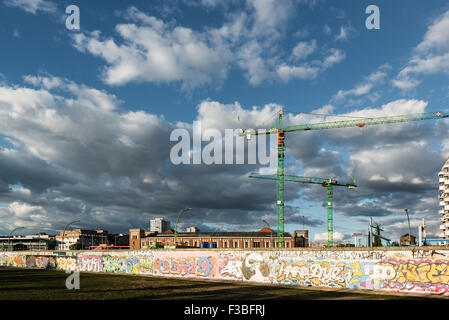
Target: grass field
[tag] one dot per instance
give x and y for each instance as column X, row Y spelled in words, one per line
column 31, row 284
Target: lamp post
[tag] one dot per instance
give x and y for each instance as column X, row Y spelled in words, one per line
column 271, row 233
column 176, row 226
column 409, row 231
column 9, row 238
column 68, row 224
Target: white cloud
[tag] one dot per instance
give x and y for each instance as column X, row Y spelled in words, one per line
column 344, row 34
column 16, row 33
column 33, row 6
column 431, row 56
column 323, row 237
column 335, row 56
column 366, row 86
column 303, row 49
column 149, row 49
column 156, row 52
column 21, row 210
column 286, row 73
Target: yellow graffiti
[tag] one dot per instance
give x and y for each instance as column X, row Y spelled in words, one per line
column 318, row 273
column 356, row 271
column 424, row 272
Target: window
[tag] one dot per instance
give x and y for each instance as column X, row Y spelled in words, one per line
column 256, row 244
column 134, row 237
column 246, row 244
column 236, row 244
column 267, row 244
column 225, row 244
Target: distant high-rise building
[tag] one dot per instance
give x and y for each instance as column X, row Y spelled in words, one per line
column 159, row 225
column 192, row 229
column 444, row 200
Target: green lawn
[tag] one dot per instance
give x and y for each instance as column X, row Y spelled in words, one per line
column 16, row 283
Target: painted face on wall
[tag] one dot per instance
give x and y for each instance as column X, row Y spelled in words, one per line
column 255, row 268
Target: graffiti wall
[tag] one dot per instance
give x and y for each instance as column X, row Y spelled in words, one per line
column 417, row 271
column 186, row 264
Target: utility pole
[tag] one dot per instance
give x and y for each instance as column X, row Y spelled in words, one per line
column 370, row 231
column 409, row 230
column 9, row 238
column 176, row 226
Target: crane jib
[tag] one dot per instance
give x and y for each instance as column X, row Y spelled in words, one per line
column 354, row 123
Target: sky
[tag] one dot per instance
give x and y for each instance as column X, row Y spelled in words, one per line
column 86, row 115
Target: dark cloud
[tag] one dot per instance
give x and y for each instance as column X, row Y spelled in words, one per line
column 83, row 158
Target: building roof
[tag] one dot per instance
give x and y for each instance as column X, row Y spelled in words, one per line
column 406, row 235
column 220, row 234
column 266, row 230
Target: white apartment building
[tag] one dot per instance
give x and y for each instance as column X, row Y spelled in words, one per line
column 87, row 238
column 159, row 225
column 443, row 180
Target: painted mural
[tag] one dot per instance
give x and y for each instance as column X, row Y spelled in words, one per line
column 66, row 263
column 416, row 270
column 182, row 264
column 41, row 262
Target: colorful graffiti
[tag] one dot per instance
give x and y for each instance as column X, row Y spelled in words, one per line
column 114, row 264
column 230, row 268
column 312, row 273
column 418, row 275
column 199, row 266
column 146, row 266
column 41, row 262
column 66, row 263
column 16, row 261
column 133, row 265
column 399, row 271
column 90, row 263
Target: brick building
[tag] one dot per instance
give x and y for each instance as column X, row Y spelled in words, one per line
column 264, row 238
column 404, row 240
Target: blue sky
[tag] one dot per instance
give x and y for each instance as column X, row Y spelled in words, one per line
column 136, row 70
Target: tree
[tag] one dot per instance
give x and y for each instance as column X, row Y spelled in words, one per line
column 377, row 240
column 76, row 246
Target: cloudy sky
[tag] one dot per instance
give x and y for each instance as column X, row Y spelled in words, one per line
column 86, row 115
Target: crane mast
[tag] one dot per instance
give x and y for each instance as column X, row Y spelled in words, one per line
column 327, row 183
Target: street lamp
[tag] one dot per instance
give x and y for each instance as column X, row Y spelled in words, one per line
column 176, row 226
column 9, row 238
column 63, row 233
column 271, row 233
column 409, row 231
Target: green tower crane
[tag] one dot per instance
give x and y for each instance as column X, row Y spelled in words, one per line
column 327, row 183
column 360, row 123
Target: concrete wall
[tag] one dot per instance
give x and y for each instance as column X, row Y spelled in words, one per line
column 400, row 270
